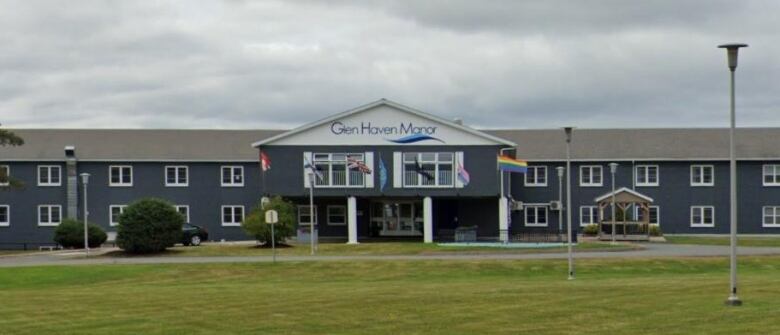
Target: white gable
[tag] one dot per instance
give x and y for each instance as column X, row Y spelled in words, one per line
column 383, row 123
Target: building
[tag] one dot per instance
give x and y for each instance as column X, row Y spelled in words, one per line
column 416, row 188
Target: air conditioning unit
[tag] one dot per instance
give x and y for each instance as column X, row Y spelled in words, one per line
column 517, row 205
column 555, row 205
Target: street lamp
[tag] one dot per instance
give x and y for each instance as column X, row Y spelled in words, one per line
column 568, row 131
column 85, row 181
column 560, row 197
column 732, row 51
column 612, row 170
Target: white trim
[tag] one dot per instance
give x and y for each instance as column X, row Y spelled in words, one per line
column 702, row 167
column 702, row 225
column 657, row 213
column 8, row 174
column 176, row 169
column 534, row 183
column 232, row 182
column 776, row 175
column 536, row 214
column 623, row 189
column 646, row 175
column 232, row 222
column 7, row 221
column 121, row 174
column 49, row 175
column 329, row 174
column 111, row 222
column 591, row 183
column 368, row 179
column 304, row 210
column 594, row 212
column 327, row 213
column 186, row 217
column 49, row 223
column 437, row 163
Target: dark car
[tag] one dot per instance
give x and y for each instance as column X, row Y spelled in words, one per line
column 193, row 235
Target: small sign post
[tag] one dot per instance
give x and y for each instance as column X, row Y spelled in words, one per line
column 271, row 218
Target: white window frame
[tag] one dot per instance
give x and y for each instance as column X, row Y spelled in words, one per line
column 232, row 222
column 535, row 182
column 7, row 173
column 233, row 169
column 49, row 175
column 701, row 168
column 536, row 209
column 702, row 224
column 49, row 223
column 111, row 221
column 436, row 183
column 329, row 173
column 303, row 210
column 121, row 175
column 775, row 176
column 7, row 221
column 187, row 216
column 775, row 209
column 177, row 172
column 331, row 207
column 594, row 214
column 657, row 214
column 646, row 175
column 590, row 183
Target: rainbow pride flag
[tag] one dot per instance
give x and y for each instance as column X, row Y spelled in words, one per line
column 512, row 165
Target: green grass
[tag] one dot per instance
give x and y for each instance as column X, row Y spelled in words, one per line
column 609, row 296
column 768, row 241
column 365, row 249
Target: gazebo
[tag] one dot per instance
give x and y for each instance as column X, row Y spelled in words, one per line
column 632, row 228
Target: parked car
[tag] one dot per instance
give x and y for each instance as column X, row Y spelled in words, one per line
column 193, row 235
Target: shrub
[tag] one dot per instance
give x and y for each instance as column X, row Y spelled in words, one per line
column 149, row 225
column 255, row 224
column 591, row 229
column 70, row 234
column 655, row 230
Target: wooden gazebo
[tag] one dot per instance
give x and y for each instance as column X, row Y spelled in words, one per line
column 632, row 229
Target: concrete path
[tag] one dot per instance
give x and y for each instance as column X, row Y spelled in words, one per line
column 651, row 251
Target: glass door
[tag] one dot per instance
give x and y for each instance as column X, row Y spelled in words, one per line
column 396, row 218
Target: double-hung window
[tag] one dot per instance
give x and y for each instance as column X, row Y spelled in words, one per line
column 772, row 175
column 702, row 175
column 771, row 216
column 536, row 176
column 49, row 215
column 702, row 216
column 337, row 215
column 5, row 215
column 120, row 175
column 647, row 175
column 339, row 169
column 428, row 169
column 535, row 216
column 655, row 213
column 176, row 176
column 5, row 175
column 232, row 215
column 115, row 211
column 232, row 176
column 304, row 215
column 49, row 175
column 590, row 175
column 589, row 215
column 184, row 210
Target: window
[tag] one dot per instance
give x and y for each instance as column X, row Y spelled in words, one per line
column 304, row 215
column 5, row 174
column 115, row 211
column 233, row 176
column 5, row 215
column 184, row 210
column 702, row 175
column 337, row 215
column 589, row 215
column 654, row 214
column 771, row 216
column 120, row 175
column 590, row 175
column 535, row 216
column 49, row 215
column 336, row 171
column 772, row 175
column 647, row 175
column 702, row 216
column 49, row 175
column 232, row 215
column 428, row 169
column 176, row 176
column 536, row 176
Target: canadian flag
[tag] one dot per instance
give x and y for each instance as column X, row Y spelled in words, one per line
column 265, row 162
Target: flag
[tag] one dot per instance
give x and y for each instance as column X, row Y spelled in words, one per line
column 512, row 165
column 382, row 174
column 355, row 164
column 463, row 175
column 307, row 165
column 265, row 162
column 419, row 169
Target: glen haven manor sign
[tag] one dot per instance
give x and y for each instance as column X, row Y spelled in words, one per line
column 409, row 132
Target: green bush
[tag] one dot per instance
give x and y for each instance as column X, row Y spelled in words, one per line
column 149, row 225
column 591, row 229
column 70, row 234
column 255, row 225
column 655, row 230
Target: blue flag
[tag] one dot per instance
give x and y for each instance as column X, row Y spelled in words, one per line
column 382, row 174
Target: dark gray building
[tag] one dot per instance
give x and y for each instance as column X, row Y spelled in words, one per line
column 387, row 171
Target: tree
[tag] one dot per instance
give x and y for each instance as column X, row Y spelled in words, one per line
column 255, row 224
column 8, row 138
column 70, row 234
column 149, row 225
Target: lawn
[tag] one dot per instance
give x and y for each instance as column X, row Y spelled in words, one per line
column 768, row 241
column 609, row 296
column 379, row 248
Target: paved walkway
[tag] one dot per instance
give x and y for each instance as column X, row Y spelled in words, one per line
column 651, row 251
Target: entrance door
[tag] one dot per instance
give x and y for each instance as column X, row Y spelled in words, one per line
column 396, row 218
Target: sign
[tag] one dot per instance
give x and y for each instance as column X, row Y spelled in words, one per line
column 271, row 216
column 409, row 131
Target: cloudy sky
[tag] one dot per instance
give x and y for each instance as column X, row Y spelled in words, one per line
column 279, row 64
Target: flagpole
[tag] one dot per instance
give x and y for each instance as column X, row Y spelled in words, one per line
column 311, row 211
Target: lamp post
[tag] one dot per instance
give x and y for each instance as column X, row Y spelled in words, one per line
column 560, row 170
column 568, row 131
column 612, row 170
column 85, row 181
column 311, row 211
column 732, row 51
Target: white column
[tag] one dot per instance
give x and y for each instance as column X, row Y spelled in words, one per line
column 503, row 223
column 352, row 220
column 427, row 220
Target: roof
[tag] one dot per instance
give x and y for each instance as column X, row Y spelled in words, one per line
column 532, row 144
column 633, row 195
